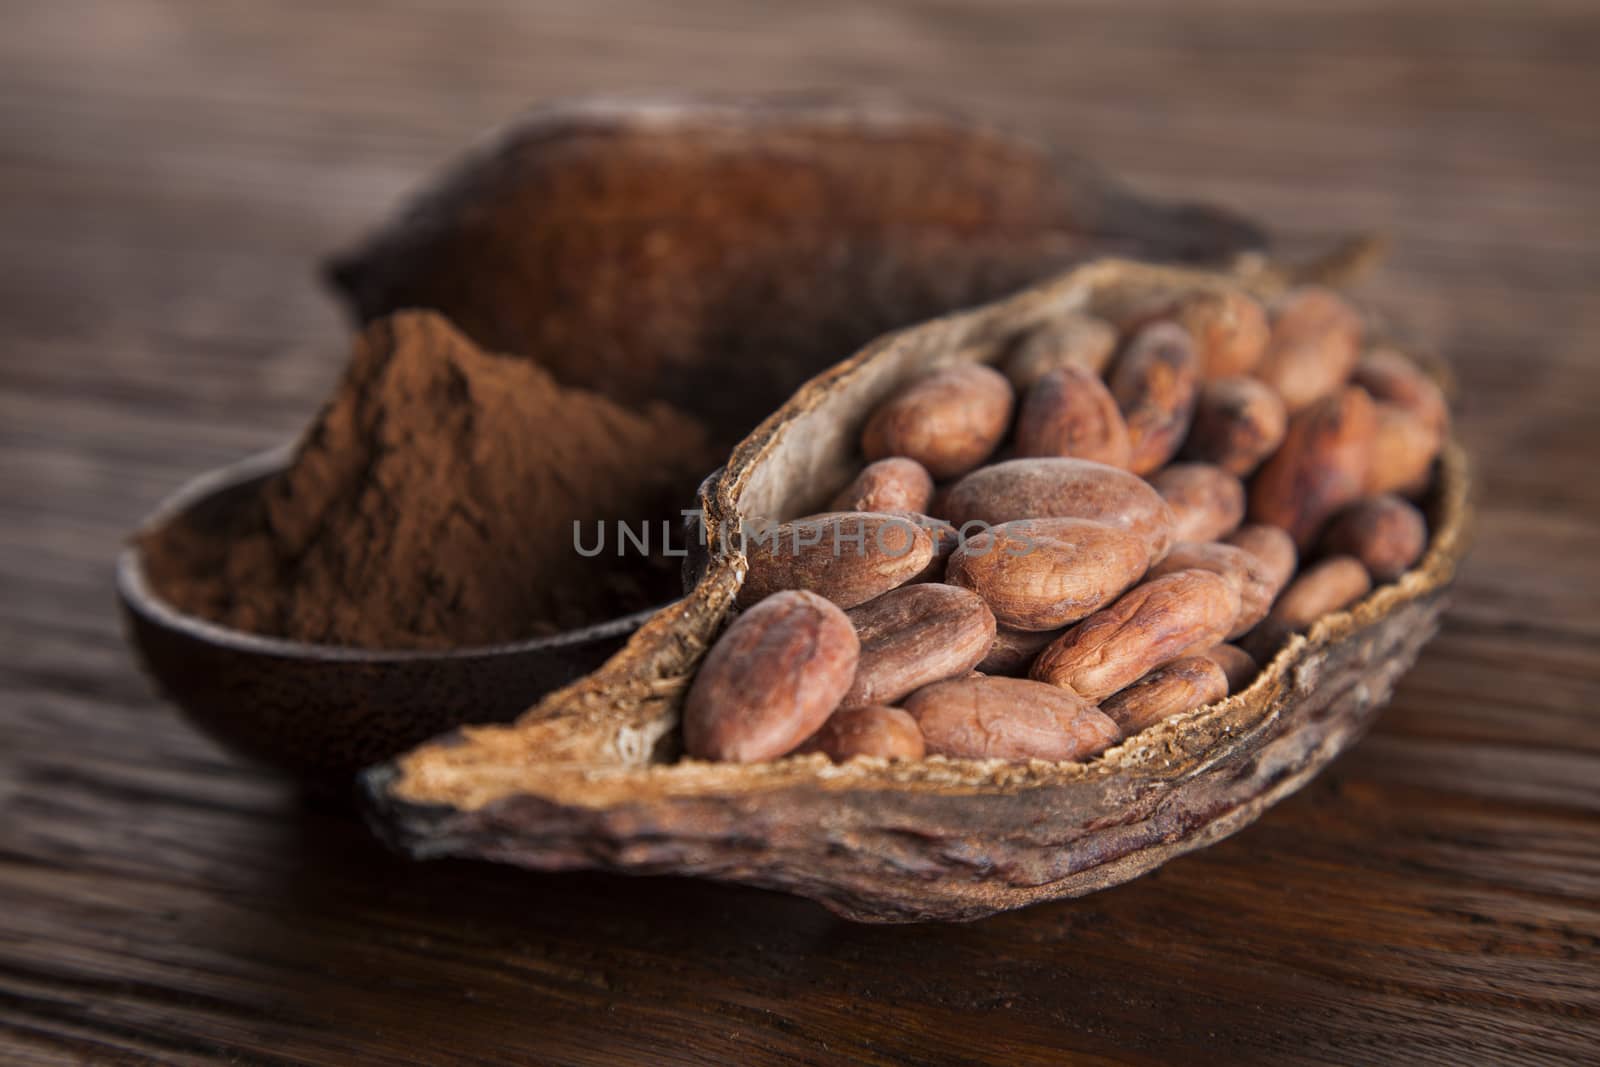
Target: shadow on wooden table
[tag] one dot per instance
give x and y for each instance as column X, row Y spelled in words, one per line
column 482, row 960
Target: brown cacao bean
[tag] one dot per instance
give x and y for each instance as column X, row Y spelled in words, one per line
column 949, row 421
column 1013, row 650
column 1321, row 467
column 1040, row 574
column 914, row 636
column 1237, row 664
column 1229, row 328
column 1069, row 341
column 871, row 730
column 1387, row 534
column 771, row 680
column 1069, row 412
column 1403, row 450
column 1009, row 718
column 1167, row 618
column 1252, row 577
column 1066, row 489
column 1180, row 686
column 892, row 485
column 1206, row 501
column 1329, row 586
column 1155, row 382
column 1271, row 546
column 1315, row 341
column 1393, row 378
column 1238, row 422
column 848, row 557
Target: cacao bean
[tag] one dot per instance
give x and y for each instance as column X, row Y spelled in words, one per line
column 848, row 557
column 1066, row 489
column 1271, row 546
column 1166, row 618
column 949, row 421
column 1250, row 576
column 1237, row 664
column 1238, row 422
column 1321, row 467
column 1313, row 347
column 1013, row 650
column 771, row 680
column 1229, row 329
column 1180, row 686
column 1394, row 379
column 916, row 635
column 892, row 485
column 871, row 730
column 1403, row 450
column 1329, row 586
column 1072, row 340
column 1069, row 412
column 1009, row 718
column 1206, row 501
column 1387, row 534
column 1040, row 574
column 1155, row 382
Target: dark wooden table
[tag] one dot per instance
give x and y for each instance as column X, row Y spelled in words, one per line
column 170, row 170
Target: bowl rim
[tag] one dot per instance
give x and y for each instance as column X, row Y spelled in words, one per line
column 139, row 598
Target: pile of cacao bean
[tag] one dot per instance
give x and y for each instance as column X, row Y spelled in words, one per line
column 1040, row 560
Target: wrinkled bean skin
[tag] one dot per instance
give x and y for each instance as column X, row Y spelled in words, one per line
column 1255, row 581
column 1321, row 468
column 848, row 557
column 870, row 730
column 1070, row 341
column 1238, row 422
column 916, row 635
column 1062, row 488
column 1009, row 718
column 1313, row 348
column 949, row 421
column 1180, row 686
column 1387, row 534
column 1040, row 574
column 1155, row 382
column 1069, row 412
column 1166, row 618
column 771, row 680
column 1206, row 501
column 890, row 486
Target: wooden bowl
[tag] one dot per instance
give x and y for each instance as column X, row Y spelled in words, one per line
column 320, row 711
column 590, row 778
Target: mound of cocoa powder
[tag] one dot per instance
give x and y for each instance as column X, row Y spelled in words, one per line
column 431, row 505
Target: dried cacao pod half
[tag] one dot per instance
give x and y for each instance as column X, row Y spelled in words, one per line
column 592, row 776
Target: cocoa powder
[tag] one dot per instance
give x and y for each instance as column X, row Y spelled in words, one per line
column 431, row 505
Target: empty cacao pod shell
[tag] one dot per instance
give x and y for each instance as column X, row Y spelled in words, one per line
column 715, row 253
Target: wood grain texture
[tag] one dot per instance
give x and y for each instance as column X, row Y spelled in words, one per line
column 170, row 171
